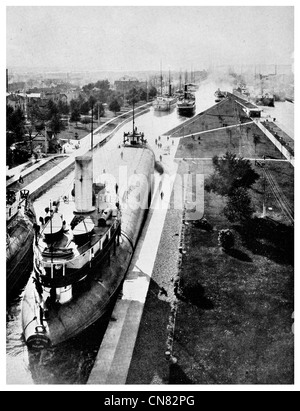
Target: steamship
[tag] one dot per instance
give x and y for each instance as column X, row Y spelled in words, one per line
column 186, row 105
column 220, row 95
column 80, row 264
column 165, row 102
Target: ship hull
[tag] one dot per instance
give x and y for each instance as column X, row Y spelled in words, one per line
column 98, row 288
column 164, row 104
column 267, row 102
column 186, row 110
column 19, row 252
column 97, row 291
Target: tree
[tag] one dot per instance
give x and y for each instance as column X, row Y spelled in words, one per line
column 34, row 112
column 51, row 110
column 55, row 124
column 85, row 108
column 53, row 117
column 238, row 208
column 226, row 239
column 230, row 173
column 99, row 110
column 15, row 123
column 114, row 106
column 133, row 96
column 63, row 108
column 75, row 110
column 152, row 92
column 143, row 95
column 100, row 90
column 92, row 101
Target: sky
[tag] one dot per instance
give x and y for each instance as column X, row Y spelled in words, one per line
column 136, row 38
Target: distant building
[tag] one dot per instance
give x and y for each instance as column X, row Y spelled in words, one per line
column 16, row 100
column 126, row 84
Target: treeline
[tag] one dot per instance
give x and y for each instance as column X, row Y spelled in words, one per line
column 52, row 116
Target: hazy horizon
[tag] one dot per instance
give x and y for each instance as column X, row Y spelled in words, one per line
column 102, row 38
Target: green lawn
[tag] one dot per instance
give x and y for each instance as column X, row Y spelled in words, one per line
column 235, row 324
column 237, row 140
column 239, row 330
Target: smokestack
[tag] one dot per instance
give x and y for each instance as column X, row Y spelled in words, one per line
column 84, row 184
column 185, row 91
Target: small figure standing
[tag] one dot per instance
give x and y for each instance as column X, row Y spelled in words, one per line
column 162, row 195
column 21, row 181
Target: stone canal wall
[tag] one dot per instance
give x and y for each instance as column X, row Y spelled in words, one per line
column 276, row 143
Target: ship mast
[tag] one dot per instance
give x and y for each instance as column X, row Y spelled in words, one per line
column 180, row 81
column 161, row 80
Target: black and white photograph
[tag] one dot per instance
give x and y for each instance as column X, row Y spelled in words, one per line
column 150, row 199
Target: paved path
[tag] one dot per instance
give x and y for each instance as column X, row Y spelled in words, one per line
column 211, row 130
column 274, row 140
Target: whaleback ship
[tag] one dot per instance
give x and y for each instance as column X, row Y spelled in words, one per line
column 80, row 264
column 20, row 220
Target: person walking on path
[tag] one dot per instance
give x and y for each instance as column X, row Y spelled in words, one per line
column 162, row 195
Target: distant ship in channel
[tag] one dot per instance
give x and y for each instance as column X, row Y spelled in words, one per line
column 220, row 95
column 186, row 104
column 80, row 264
column 165, row 102
column 266, row 99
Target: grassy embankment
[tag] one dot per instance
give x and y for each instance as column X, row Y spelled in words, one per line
column 237, row 329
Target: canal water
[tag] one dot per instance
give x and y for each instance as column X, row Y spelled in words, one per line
column 283, row 112
column 72, row 362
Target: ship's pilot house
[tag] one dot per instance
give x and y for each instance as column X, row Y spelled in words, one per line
column 134, row 138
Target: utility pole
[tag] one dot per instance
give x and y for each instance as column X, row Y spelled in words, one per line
column 264, row 213
column 46, row 141
column 92, row 137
